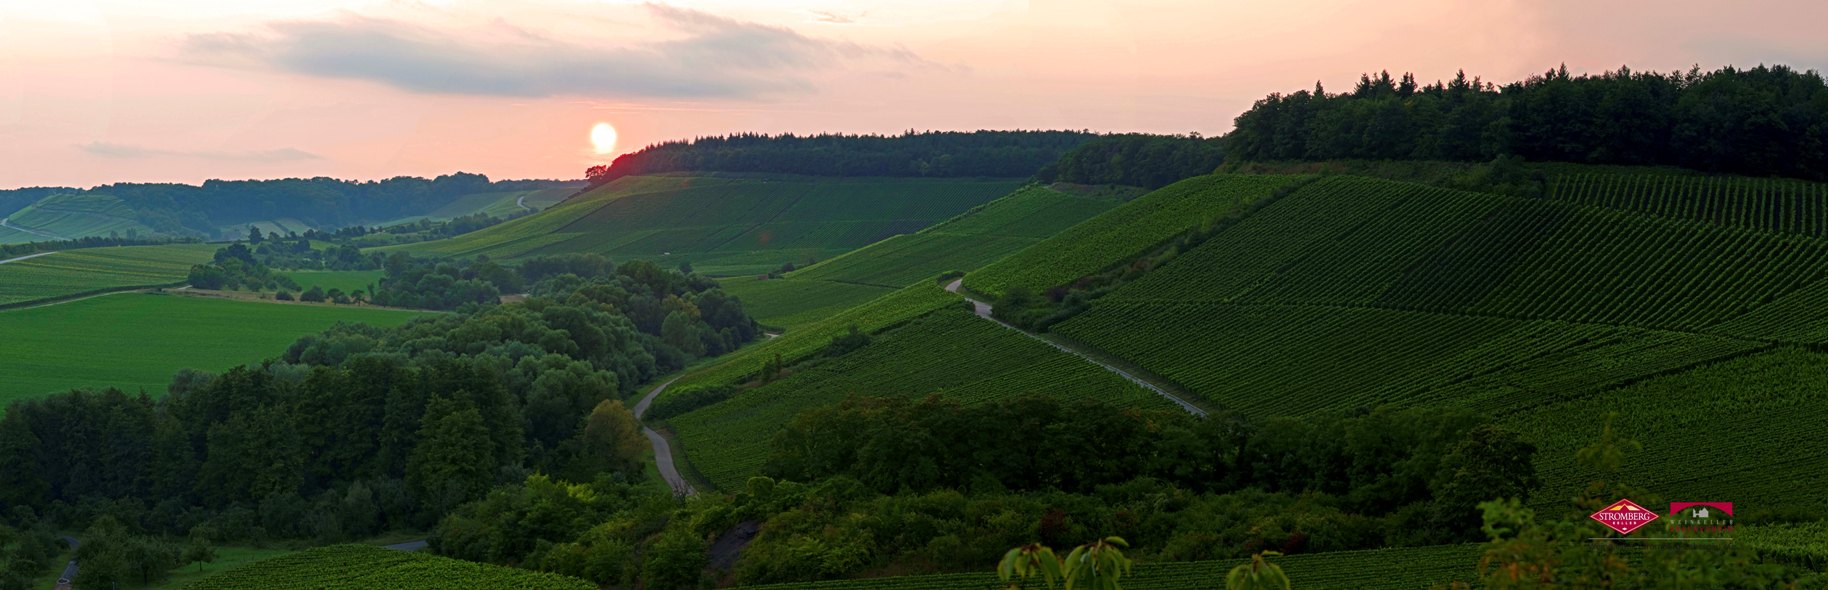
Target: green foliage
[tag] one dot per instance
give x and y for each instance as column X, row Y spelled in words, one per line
column 1148, row 161
column 72, row 272
column 1098, row 565
column 1259, row 574
column 1029, row 561
column 932, row 154
column 349, row 567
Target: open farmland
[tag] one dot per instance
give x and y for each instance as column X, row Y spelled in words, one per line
column 70, row 272
column 352, row 567
column 727, row 226
column 136, row 341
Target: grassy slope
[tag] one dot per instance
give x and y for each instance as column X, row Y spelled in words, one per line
column 1118, row 235
column 1354, row 292
column 948, row 351
column 78, row 216
column 135, row 341
column 1376, row 569
column 727, row 226
column 76, row 271
column 350, row 567
column 972, row 239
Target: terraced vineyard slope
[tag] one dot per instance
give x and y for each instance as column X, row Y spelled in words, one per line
column 968, row 241
column 71, row 272
column 1353, row 292
column 1119, row 235
column 76, row 215
column 727, row 225
column 351, row 567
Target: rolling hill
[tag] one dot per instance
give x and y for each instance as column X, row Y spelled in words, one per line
column 726, row 225
column 77, row 215
column 974, row 238
column 71, row 272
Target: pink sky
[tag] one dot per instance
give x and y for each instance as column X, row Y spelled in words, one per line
column 185, row 90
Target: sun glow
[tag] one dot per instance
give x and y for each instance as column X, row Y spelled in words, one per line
column 603, row 138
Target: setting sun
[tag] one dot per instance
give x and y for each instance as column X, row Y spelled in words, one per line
column 603, row 138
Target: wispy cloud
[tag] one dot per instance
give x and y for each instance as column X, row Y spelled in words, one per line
column 836, row 18
column 127, row 151
column 712, row 57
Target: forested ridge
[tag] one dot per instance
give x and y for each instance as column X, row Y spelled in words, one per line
column 1010, row 154
column 1762, row 121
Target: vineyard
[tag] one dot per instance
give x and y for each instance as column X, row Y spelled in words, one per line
column 1765, row 204
column 83, row 343
column 353, row 567
column 706, row 220
column 79, row 271
column 1116, row 236
column 949, row 351
column 1405, row 569
column 970, row 240
column 1746, row 429
column 79, row 215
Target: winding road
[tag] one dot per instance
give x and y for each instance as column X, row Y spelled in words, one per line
column 663, row 453
column 983, row 311
column 3, row 223
column 522, row 202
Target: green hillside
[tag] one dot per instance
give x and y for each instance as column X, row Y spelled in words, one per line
column 970, row 240
column 1376, row 569
column 79, row 215
column 351, row 567
column 1116, row 236
column 726, row 225
column 136, row 341
column 948, row 351
column 69, row 272
column 1352, row 292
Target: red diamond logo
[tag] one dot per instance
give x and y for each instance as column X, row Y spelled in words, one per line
column 1624, row 516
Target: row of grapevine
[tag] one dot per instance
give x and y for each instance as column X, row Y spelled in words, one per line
column 76, row 271
column 362, row 567
column 949, row 351
column 1121, row 234
column 1413, row 568
column 1765, row 204
column 1746, row 430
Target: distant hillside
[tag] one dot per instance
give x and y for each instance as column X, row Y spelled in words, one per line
column 1016, row 154
column 727, row 224
column 225, row 209
column 1763, row 121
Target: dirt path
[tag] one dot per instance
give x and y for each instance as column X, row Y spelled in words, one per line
column 522, row 202
column 983, row 311
column 408, row 546
column 69, row 569
column 663, row 452
column 27, row 257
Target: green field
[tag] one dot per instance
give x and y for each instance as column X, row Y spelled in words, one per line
column 948, row 351
column 970, row 240
column 726, row 226
column 1118, row 235
column 351, row 567
column 1765, row 204
column 347, row 280
column 1376, row 569
column 136, row 341
column 70, row 272
column 79, row 215
column 227, row 560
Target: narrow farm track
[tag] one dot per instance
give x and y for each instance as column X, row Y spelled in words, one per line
column 27, row 257
column 68, row 576
column 3, row 223
column 522, row 203
column 983, row 311
column 663, row 453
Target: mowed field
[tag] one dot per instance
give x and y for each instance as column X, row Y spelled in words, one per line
column 1352, row 292
column 135, row 341
column 69, row 272
column 965, row 242
column 726, row 225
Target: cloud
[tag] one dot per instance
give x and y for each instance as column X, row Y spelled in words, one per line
column 711, row 57
column 126, row 151
column 830, row 17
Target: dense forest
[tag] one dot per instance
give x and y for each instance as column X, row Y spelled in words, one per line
column 1136, row 159
column 1763, row 121
column 182, row 209
column 930, row 154
column 361, row 429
